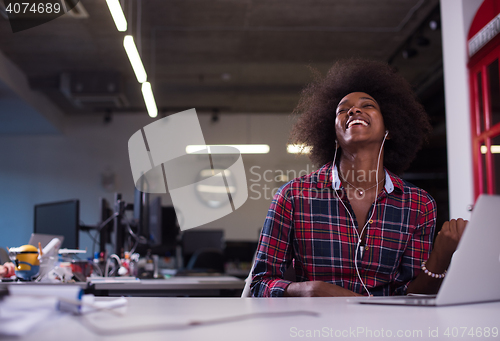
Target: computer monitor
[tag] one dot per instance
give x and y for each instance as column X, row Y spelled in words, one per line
column 170, row 228
column 240, row 251
column 105, row 212
column 155, row 222
column 59, row 218
column 141, row 213
column 163, row 227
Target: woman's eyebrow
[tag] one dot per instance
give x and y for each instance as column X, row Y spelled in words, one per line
column 343, row 102
column 371, row 99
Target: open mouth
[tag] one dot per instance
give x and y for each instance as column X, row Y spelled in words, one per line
column 357, row 122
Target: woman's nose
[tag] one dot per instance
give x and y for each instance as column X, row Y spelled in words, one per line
column 352, row 110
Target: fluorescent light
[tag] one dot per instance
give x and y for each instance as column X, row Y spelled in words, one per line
column 149, row 99
column 135, row 59
column 298, row 149
column 215, row 189
column 243, row 148
column 282, row 178
column 117, row 13
column 206, row 173
column 495, row 149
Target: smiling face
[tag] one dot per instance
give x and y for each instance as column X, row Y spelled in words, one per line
column 359, row 120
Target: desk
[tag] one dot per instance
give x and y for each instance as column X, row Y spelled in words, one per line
column 5, row 285
column 199, row 286
column 335, row 315
column 174, row 286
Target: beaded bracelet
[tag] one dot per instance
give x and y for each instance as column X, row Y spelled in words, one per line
column 432, row 274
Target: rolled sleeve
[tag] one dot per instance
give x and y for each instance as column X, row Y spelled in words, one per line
column 419, row 247
column 274, row 253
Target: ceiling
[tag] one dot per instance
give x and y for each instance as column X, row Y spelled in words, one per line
column 234, row 56
column 218, row 56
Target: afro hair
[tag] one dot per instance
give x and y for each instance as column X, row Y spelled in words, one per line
column 404, row 116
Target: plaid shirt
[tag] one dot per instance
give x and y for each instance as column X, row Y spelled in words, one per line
column 307, row 223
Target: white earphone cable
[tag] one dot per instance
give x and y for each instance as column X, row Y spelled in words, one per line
column 371, row 216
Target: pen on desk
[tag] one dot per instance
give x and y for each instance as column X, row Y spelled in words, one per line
column 40, row 249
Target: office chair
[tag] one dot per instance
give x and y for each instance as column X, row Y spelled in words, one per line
column 207, row 260
column 193, row 241
column 4, row 256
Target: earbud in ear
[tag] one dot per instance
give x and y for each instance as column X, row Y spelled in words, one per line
column 386, row 133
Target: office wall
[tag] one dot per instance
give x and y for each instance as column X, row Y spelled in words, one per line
column 43, row 168
column 456, row 17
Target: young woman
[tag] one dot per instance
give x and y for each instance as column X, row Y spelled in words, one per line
column 353, row 227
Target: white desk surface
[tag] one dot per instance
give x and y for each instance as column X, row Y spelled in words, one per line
column 336, row 316
column 173, row 283
column 3, row 285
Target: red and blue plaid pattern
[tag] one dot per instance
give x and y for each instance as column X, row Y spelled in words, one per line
column 308, row 225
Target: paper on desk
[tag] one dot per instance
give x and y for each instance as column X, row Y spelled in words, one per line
column 66, row 291
column 128, row 279
column 19, row 315
column 21, row 311
column 89, row 300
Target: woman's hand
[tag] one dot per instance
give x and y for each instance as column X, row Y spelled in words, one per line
column 445, row 244
column 447, row 240
column 317, row 289
column 7, row 270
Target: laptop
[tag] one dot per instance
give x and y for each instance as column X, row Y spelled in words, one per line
column 474, row 272
column 43, row 239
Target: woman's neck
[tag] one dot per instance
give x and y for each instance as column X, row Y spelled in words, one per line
column 360, row 168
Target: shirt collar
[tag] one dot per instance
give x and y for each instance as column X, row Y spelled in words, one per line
column 389, row 184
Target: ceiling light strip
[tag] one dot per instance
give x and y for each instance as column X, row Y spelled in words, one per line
column 135, row 59
column 117, row 13
column 298, row 149
column 243, row 148
column 149, row 99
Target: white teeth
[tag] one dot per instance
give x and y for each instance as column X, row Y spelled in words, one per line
column 357, row 122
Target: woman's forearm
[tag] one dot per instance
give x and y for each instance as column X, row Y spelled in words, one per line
column 316, row 289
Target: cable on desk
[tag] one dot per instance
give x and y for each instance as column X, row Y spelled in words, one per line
column 138, row 238
column 80, row 303
column 114, row 270
column 98, row 230
column 187, row 325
